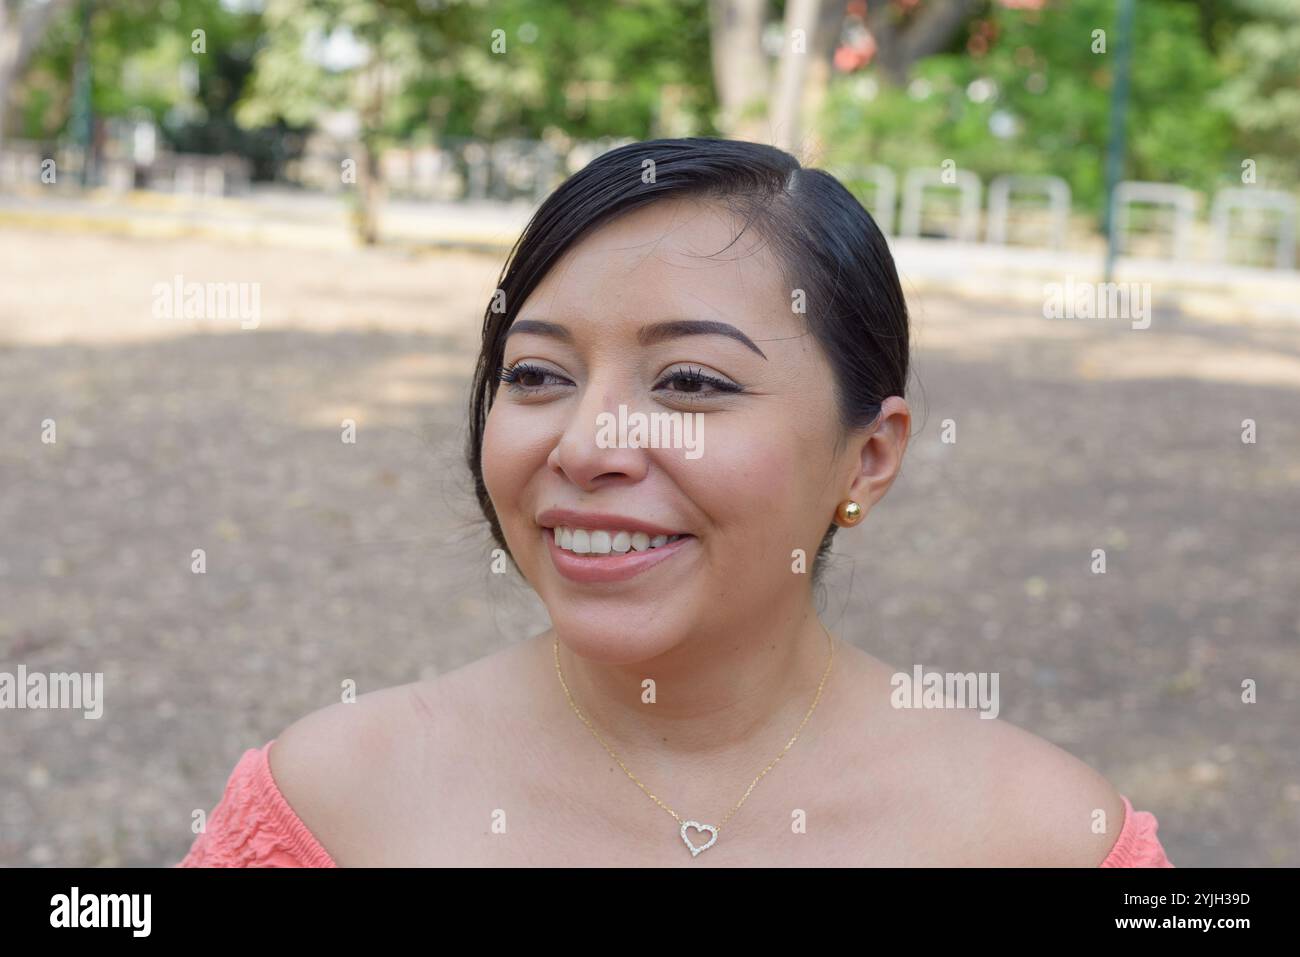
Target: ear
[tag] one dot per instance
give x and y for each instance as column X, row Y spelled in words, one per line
column 877, row 453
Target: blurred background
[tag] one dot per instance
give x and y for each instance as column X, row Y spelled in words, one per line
column 347, row 177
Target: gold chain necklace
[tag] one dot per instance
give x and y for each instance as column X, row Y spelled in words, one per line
column 710, row 828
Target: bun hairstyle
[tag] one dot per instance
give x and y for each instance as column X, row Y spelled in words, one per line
column 827, row 243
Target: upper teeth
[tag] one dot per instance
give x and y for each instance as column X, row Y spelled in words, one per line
column 598, row 541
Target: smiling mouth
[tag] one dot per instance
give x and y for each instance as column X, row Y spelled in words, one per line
column 600, row 542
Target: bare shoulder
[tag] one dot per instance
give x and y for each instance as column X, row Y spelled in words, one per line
column 329, row 765
column 354, row 771
column 1021, row 801
column 951, row 787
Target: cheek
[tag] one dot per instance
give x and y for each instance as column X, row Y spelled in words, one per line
column 753, row 485
column 496, row 464
column 512, row 455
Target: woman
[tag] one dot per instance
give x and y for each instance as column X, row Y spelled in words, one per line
column 691, row 378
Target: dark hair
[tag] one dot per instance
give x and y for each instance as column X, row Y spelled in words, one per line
column 828, row 244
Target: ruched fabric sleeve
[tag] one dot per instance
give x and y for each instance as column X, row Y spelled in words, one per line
column 1137, row 845
column 253, row 825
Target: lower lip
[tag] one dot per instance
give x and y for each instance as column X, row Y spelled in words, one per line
column 614, row 567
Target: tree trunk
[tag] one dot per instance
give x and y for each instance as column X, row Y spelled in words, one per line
column 753, row 105
column 821, row 67
column 370, row 191
column 900, row 45
column 801, row 18
column 740, row 70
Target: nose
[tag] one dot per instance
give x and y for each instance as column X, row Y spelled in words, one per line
column 585, row 457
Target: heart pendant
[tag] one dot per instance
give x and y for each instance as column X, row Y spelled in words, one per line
column 696, row 851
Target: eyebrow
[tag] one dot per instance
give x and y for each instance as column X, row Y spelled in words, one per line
column 647, row 335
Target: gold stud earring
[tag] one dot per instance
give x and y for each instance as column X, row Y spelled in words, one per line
column 849, row 513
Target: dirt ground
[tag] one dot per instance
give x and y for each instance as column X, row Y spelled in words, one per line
column 328, row 561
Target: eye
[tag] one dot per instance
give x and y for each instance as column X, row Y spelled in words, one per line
column 526, row 378
column 692, row 383
column 682, row 383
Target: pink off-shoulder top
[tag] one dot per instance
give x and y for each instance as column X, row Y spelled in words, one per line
column 254, row 826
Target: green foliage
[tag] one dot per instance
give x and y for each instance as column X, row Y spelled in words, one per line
column 1213, row 81
column 586, row 70
column 1038, row 101
column 512, row 68
column 139, row 53
column 1262, row 89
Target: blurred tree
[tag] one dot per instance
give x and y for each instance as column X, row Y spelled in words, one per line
column 740, row 69
column 23, row 24
column 809, row 36
column 757, row 105
column 181, row 63
column 1261, row 92
column 757, row 102
column 907, row 31
column 995, row 85
column 416, row 69
column 576, row 70
column 1026, row 91
column 359, row 56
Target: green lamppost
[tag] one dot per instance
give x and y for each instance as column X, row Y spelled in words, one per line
column 83, row 117
column 1118, row 115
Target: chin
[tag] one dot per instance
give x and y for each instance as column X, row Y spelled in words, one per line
column 616, row 634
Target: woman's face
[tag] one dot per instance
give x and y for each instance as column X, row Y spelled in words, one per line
column 620, row 321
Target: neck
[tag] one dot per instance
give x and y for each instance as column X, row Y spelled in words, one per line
column 714, row 697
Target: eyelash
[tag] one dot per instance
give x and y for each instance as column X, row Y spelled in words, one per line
column 512, row 374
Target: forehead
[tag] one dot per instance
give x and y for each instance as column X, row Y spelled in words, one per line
column 676, row 258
